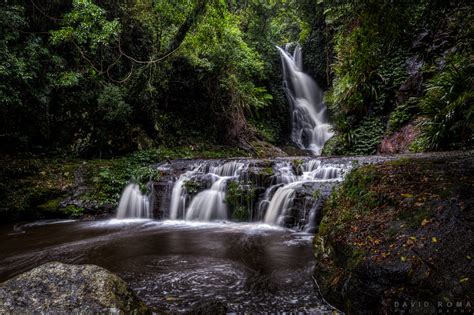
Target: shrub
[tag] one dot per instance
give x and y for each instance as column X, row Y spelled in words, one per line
column 448, row 105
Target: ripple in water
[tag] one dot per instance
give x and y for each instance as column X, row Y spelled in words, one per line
column 179, row 267
column 177, row 283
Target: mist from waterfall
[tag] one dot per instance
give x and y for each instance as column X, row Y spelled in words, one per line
column 310, row 127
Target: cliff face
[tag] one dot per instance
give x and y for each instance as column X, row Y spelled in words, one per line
column 399, row 233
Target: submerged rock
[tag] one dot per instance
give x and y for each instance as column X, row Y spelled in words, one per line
column 61, row 288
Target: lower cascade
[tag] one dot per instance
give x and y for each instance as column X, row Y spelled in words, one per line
column 282, row 192
column 208, row 204
column 133, row 204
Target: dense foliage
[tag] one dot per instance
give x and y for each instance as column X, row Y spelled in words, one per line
column 396, row 61
column 97, row 78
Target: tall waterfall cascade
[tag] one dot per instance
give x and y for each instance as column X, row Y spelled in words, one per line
column 310, row 127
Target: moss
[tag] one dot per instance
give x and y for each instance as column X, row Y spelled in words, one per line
column 400, row 162
column 50, row 205
column 267, row 171
column 393, row 221
column 241, row 213
column 414, row 216
column 73, row 211
column 240, row 197
column 331, row 146
column 316, row 194
column 350, row 199
column 297, row 165
column 352, row 257
column 192, row 186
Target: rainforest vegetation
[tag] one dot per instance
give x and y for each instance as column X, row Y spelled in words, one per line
column 92, row 79
column 152, row 99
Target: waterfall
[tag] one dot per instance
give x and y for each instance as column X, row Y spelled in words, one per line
column 208, row 204
column 281, row 192
column 280, row 203
column 133, row 204
column 278, row 200
column 310, row 127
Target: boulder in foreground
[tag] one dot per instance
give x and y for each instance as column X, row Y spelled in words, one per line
column 57, row 288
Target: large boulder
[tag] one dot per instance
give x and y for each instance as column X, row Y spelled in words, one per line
column 61, row 288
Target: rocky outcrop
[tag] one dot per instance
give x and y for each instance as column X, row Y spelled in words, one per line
column 397, row 238
column 399, row 141
column 61, row 288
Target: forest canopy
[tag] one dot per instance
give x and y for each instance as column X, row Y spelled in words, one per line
column 99, row 78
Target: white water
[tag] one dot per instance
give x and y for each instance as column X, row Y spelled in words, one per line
column 179, row 194
column 133, row 204
column 280, row 196
column 199, row 194
column 208, row 204
column 310, row 127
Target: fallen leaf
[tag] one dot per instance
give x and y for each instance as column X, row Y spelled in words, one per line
column 425, row 222
column 464, row 280
column 434, row 240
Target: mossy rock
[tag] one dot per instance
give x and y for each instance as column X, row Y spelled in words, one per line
column 61, row 288
column 397, row 231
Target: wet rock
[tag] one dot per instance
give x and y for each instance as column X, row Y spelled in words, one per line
column 61, row 288
column 413, row 85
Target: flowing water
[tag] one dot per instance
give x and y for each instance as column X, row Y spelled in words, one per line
column 263, row 265
column 281, row 192
column 133, row 204
column 310, row 127
column 178, row 266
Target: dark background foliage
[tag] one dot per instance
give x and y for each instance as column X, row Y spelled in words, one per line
column 101, row 78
